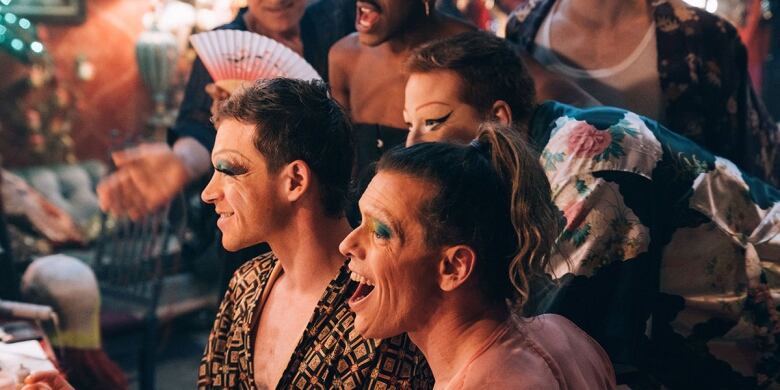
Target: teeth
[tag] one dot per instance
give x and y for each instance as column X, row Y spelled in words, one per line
column 360, row 278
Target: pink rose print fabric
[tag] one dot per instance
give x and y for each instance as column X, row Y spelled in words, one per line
column 670, row 256
column 587, row 141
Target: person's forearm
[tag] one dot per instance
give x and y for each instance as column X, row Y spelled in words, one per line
column 194, row 156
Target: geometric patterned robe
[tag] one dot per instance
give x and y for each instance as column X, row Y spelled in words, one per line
column 330, row 353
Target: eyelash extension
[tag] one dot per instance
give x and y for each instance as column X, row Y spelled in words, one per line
column 230, row 169
column 438, row 121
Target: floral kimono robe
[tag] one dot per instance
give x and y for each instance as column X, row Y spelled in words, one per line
column 704, row 78
column 670, row 256
column 329, row 355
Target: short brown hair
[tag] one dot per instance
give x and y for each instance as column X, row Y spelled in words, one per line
column 298, row 120
column 490, row 67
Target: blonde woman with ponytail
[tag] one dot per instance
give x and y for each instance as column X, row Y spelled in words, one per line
column 450, row 235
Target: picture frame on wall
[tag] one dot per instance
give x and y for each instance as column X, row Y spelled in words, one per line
column 48, row 11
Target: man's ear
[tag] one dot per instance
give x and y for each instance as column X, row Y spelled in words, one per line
column 456, row 266
column 296, row 179
column 502, row 112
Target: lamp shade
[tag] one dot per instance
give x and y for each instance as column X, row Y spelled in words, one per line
column 156, row 52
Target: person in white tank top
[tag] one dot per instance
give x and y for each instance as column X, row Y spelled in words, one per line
column 627, row 78
column 674, row 63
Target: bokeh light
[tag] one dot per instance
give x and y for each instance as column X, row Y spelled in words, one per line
column 17, row 44
column 36, row 47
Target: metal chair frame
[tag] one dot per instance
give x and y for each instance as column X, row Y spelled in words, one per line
column 131, row 261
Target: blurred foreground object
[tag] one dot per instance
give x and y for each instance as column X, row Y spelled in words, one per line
column 24, row 203
column 70, row 287
column 28, row 311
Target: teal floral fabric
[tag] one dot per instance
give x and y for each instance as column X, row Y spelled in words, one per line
column 670, row 256
column 702, row 66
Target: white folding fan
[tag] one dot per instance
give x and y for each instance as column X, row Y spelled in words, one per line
column 234, row 56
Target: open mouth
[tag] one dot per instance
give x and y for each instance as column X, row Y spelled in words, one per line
column 363, row 290
column 223, row 216
column 367, row 15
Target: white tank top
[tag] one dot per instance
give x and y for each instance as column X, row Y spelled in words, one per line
column 632, row 84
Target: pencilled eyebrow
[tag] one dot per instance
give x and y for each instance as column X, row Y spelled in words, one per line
column 426, row 104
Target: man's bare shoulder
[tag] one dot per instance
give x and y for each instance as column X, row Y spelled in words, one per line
column 345, row 48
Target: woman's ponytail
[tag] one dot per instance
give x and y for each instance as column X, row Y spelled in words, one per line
column 533, row 214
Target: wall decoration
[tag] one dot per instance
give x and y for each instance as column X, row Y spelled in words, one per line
column 47, row 11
